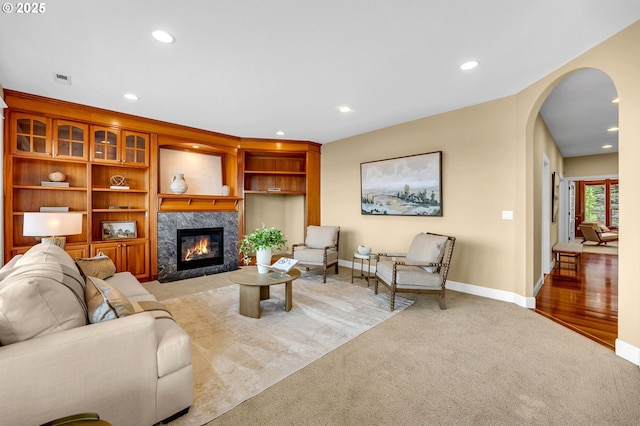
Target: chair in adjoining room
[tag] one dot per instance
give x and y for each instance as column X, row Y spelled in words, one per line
column 594, row 232
column 423, row 269
column 320, row 248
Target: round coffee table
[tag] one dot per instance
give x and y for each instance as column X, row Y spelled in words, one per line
column 254, row 287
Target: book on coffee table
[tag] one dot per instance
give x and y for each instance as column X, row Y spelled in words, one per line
column 284, row 264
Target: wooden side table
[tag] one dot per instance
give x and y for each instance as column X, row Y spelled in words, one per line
column 362, row 258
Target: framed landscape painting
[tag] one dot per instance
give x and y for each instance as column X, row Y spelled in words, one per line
column 403, row 186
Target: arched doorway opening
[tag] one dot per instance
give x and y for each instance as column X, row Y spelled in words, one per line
column 574, row 130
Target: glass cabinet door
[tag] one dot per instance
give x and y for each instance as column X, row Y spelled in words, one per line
column 105, row 144
column 71, row 140
column 31, row 135
column 135, row 149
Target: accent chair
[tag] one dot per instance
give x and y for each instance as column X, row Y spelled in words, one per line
column 320, row 248
column 595, row 232
column 423, row 269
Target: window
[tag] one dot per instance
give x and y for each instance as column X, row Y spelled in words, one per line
column 600, row 201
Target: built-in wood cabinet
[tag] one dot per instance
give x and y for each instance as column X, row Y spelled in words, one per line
column 91, row 145
column 41, row 145
column 128, row 255
column 112, row 146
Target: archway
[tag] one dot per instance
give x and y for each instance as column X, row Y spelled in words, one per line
column 571, row 130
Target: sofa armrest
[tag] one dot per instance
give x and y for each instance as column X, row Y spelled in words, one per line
column 109, row 368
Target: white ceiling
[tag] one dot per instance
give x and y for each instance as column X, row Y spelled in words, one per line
column 250, row 68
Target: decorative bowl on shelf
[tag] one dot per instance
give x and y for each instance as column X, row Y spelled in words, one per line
column 57, row 177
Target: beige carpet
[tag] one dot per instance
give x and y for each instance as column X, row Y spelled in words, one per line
column 480, row 362
column 236, row 357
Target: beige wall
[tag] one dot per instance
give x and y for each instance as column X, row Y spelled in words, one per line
column 489, row 165
column 478, row 166
column 591, row 165
column 285, row 212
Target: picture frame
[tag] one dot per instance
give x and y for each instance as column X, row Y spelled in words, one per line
column 118, row 230
column 402, row 186
column 555, row 196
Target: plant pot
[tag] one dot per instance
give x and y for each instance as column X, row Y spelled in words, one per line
column 263, row 260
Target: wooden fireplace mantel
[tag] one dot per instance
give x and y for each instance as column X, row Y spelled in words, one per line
column 197, row 203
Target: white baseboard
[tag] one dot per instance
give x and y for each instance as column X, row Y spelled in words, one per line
column 491, row 293
column 628, row 352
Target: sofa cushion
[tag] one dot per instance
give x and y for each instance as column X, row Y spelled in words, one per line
column 105, row 302
column 42, row 294
column 100, row 266
column 129, row 286
column 319, row 237
column 426, row 248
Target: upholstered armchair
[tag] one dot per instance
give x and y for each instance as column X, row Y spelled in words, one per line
column 320, row 248
column 593, row 231
column 423, row 269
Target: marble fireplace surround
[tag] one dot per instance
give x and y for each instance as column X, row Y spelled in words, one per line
column 169, row 223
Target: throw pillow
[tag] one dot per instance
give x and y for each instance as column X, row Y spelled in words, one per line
column 105, row 302
column 426, row 248
column 100, row 266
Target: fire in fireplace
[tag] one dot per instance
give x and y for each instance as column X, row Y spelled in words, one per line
column 201, row 247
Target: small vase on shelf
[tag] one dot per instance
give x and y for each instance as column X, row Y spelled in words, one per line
column 178, row 185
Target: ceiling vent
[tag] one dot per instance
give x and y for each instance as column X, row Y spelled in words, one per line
column 62, row 79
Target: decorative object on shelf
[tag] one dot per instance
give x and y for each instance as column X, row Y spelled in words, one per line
column 116, row 230
column 118, row 180
column 225, row 190
column 52, row 226
column 56, row 184
column 364, row 250
column 178, row 185
column 57, row 177
column 54, row 208
column 119, row 207
column 261, row 241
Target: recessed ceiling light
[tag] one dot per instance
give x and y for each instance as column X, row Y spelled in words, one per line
column 163, row 36
column 131, row 96
column 280, row 133
column 607, row 146
column 615, row 101
column 613, row 129
column 195, row 146
column 344, row 109
column 469, row 65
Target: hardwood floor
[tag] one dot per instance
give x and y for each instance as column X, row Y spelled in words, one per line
column 584, row 300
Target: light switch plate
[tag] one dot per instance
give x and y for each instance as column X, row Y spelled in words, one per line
column 507, row 215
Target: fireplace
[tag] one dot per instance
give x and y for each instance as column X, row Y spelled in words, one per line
column 198, row 248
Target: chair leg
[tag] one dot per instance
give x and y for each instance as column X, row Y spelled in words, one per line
column 393, row 300
column 324, row 274
column 443, row 304
column 336, row 267
column 375, row 285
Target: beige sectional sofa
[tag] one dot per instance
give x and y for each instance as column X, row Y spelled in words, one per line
column 131, row 368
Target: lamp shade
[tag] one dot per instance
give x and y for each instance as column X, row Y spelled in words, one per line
column 51, row 224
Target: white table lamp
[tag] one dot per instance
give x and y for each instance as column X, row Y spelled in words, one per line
column 53, row 227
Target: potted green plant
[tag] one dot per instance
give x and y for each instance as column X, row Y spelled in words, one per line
column 262, row 241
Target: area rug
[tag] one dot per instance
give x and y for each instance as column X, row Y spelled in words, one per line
column 235, row 357
column 609, row 248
